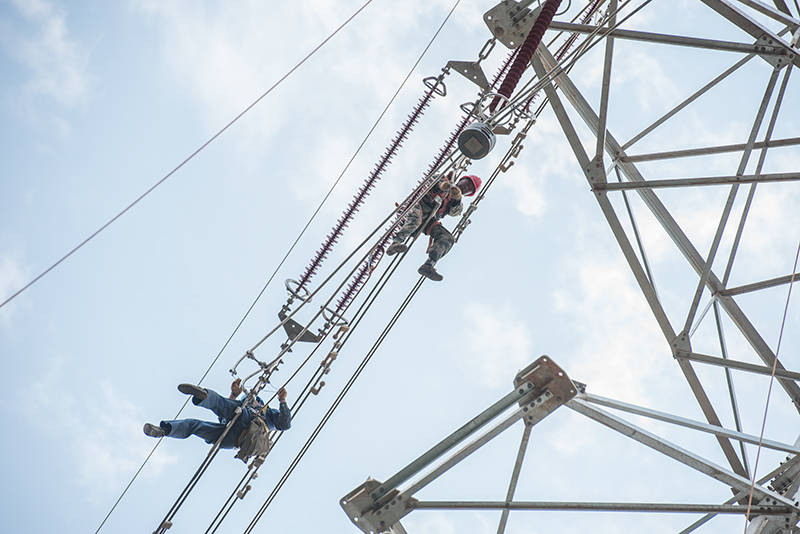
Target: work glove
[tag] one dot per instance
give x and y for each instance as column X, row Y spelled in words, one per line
column 236, row 388
column 445, row 185
column 455, row 193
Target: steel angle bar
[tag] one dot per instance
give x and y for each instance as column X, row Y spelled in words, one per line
column 672, row 229
column 678, row 40
column 741, row 494
column 606, row 84
column 759, row 166
column 601, row 507
column 704, row 274
column 752, row 26
column 605, row 205
column 552, row 388
column 512, row 484
column 703, row 314
column 755, row 286
column 637, row 236
column 723, row 346
column 685, row 422
column 706, row 151
column 734, row 364
column 543, row 61
column 677, row 453
column 360, row 506
column 702, row 181
column 462, row 453
column 781, row 16
column 691, row 98
column 452, row 440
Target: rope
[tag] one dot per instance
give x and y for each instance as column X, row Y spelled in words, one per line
column 769, row 390
column 187, row 159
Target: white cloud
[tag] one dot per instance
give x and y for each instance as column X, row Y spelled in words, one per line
column 100, row 430
column 57, row 64
column 12, row 278
column 617, row 350
column 493, row 335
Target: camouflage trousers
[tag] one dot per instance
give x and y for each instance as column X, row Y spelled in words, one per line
column 442, row 238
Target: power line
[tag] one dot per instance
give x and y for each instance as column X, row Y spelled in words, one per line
column 246, row 314
column 186, row 160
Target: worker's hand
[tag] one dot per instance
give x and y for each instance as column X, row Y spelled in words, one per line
column 236, row 388
column 282, row 395
column 445, row 185
column 455, row 193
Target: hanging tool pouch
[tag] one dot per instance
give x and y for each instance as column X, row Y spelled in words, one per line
column 254, row 441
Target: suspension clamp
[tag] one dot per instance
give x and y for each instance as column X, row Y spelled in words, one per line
column 510, row 23
column 472, row 71
column 293, row 329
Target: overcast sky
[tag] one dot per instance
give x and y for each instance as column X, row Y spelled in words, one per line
column 101, row 99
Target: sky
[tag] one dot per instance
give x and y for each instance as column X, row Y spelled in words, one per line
column 99, row 100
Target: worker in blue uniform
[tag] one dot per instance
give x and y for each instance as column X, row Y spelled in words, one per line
column 225, row 409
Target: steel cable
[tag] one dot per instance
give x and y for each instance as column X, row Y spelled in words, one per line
column 207, row 461
column 304, row 395
column 187, row 159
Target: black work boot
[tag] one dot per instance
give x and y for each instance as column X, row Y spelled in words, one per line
column 428, row 271
column 199, row 394
column 396, row 248
column 154, row 431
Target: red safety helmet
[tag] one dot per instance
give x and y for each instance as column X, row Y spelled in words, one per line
column 474, row 180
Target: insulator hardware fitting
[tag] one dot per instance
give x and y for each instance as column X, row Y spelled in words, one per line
column 476, row 141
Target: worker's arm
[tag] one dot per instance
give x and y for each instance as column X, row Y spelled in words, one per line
column 281, row 418
column 454, row 205
column 236, row 389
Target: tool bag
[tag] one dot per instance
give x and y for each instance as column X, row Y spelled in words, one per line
column 254, row 441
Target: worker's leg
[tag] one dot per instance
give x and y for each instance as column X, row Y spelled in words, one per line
column 442, row 242
column 412, row 222
column 224, row 408
column 183, row 428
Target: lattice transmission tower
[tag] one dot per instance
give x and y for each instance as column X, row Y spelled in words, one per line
column 701, row 198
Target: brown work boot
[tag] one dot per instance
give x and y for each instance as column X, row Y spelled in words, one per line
column 154, row 431
column 396, row 248
column 429, row 272
column 199, row 394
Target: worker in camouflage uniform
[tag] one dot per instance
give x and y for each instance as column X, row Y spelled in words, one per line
column 422, row 214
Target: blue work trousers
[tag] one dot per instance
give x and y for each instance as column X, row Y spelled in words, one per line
column 210, row 432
